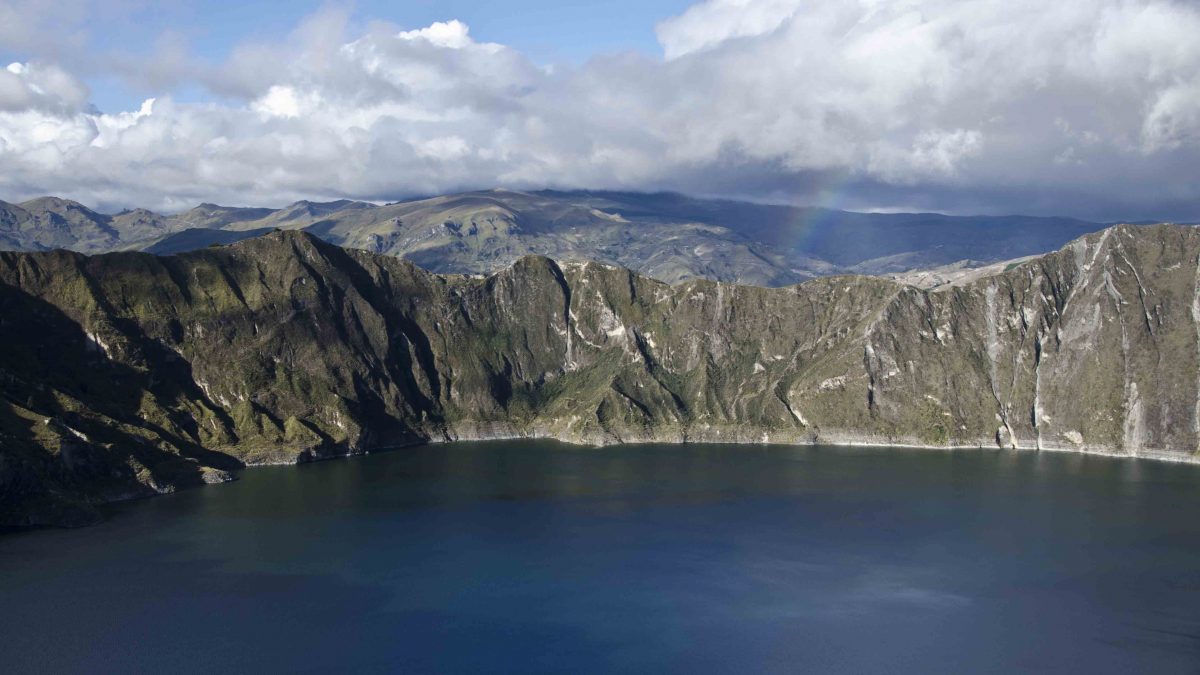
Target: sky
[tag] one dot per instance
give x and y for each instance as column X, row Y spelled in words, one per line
column 1087, row 109
column 547, row 32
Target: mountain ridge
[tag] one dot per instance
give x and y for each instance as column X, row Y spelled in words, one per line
column 668, row 236
column 128, row 374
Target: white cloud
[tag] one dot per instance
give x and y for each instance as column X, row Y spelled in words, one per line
column 452, row 34
column 933, row 152
column 279, row 101
column 715, row 21
column 1174, row 118
column 40, row 86
column 1089, row 108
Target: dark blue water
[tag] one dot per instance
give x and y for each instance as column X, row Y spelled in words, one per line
column 527, row 557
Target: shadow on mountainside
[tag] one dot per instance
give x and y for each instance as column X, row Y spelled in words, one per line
column 78, row 427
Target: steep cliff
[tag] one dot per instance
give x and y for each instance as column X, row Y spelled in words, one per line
column 128, row 374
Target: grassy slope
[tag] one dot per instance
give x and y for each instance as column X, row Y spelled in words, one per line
column 128, row 374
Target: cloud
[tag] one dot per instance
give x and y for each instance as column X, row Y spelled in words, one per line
column 452, row 34
column 1088, row 109
column 41, row 87
column 716, row 21
column 47, row 27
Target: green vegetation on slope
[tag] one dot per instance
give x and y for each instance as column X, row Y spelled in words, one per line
column 128, row 374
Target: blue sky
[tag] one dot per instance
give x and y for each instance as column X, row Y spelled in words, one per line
column 569, row 31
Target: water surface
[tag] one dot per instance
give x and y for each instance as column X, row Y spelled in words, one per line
column 540, row 557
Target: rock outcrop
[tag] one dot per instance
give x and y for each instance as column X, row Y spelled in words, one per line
column 127, row 374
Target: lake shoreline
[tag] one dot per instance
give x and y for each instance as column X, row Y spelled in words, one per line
column 599, row 443
column 752, row 438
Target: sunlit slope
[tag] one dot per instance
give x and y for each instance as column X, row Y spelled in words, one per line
column 669, row 237
column 127, row 374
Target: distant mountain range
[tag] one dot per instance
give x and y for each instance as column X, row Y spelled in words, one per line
column 667, row 236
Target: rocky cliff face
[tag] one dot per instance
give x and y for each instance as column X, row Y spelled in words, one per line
column 128, row 374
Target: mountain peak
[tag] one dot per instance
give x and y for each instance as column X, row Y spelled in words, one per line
column 53, row 204
column 669, row 236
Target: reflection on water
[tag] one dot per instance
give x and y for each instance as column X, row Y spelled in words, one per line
column 526, row 557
